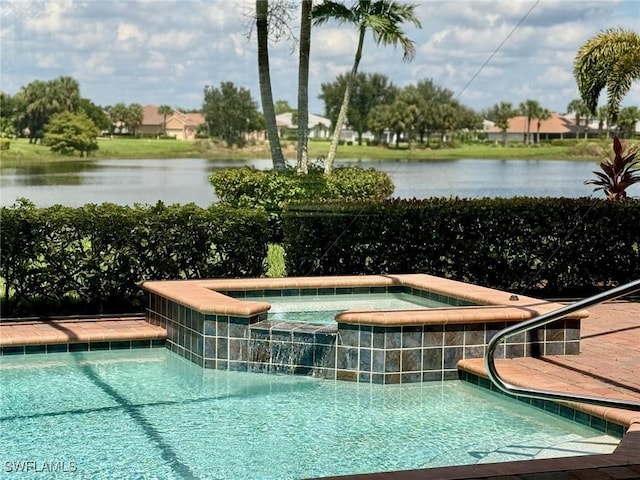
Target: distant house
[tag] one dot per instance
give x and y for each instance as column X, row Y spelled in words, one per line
column 180, row 125
column 319, row 127
column 557, row 126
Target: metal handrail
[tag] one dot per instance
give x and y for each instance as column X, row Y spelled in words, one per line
column 544, row 319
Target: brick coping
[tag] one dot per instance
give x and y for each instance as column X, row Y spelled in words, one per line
column 78, row 330
column 493, row 305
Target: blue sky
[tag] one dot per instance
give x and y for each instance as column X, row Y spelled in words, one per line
column 165, row 51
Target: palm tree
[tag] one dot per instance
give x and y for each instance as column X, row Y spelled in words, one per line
column 66, row 91
column 383, row 18
column 609, row 60
column 164, row 110
column 627, row 120
column 134, row 117
column 262, row 30
column 500, row 115
column 542, row 115
column 581, row 111
column 303, row 86
column 603, row 120
column 529, row 109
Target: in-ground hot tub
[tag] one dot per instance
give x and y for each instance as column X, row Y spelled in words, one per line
column 222, row 324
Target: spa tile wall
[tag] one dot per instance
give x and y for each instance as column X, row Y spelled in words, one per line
column 345, row 352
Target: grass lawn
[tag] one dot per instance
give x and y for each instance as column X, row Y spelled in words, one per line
column 22, row 150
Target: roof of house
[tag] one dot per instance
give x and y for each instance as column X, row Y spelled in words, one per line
column 554, row 124
column 152, row 117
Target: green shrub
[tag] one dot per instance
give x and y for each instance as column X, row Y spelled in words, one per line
column 71, row 133
column 548, row 246
column 5, row 143
column 62, row 260
column 269, row 190
column 587, row 149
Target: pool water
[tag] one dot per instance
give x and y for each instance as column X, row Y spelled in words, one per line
column 323, row 308
column 152, row 414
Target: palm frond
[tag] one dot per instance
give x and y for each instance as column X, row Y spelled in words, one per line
column 611, row 59
column 329, row 10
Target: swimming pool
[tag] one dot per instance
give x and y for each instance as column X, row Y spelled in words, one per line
column 152, row 414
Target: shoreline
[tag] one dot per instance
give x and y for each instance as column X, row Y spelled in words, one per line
column 139, row 149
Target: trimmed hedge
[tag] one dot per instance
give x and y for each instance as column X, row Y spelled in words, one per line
column 63, row 260
column 269, row 190
column 546, row 246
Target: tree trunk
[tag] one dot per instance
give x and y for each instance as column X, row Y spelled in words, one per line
column 303, row 87
column 262, row 9
column 342, row 116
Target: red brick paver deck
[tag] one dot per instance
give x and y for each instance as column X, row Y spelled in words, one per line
column 60, row 331
column 608, row 364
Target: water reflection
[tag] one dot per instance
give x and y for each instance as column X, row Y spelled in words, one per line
column 49, row 173
column 76, row 183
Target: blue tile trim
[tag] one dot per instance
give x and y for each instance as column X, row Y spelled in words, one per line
column 81, row 347
column 564, row 411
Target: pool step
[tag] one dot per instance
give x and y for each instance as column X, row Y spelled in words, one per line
column 79, row 334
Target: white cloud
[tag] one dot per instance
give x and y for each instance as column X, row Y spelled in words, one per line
column 555, row 76
column 98, row 64
column 172, row 40
column 334, row 42
column 161, row 51
column 129, row 32
column 50, row 18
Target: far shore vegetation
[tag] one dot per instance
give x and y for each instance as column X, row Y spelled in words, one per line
column 21, row 150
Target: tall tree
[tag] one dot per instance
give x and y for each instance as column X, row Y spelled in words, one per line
column 378, row 120
column 95, row 113
column 542, row 115
column 134, row 117
column 627, row 120
column 164, row 110
column 530, row 109
column 303, row 86
column 603, row 120
column 262, row 31
column 367, row 91
column 500, row 114
column 609, row 60
column 9, row 108
column 384, row 18
column 581, row 111
column 230, row 113
column 282, row 106
column 66, row 92
column 40, row 100
column 118, row 116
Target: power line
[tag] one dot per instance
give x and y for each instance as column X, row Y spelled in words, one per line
column 535, row 4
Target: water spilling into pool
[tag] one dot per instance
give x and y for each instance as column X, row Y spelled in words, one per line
column 152, row 414
column 323, row 308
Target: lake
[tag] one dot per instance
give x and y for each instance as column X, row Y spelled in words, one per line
column 126, row 182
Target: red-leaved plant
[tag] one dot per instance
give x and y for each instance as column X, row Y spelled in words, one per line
column 619, row 172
